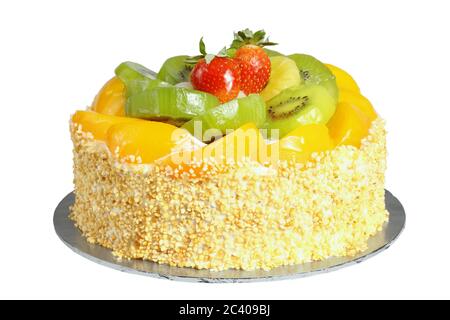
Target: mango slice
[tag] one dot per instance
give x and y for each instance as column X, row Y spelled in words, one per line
column 147, row 141
column 300, row 143
column 96, row 123
column 111, row 98
column 348, row 125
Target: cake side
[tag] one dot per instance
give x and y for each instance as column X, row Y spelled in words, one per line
column 245, row 217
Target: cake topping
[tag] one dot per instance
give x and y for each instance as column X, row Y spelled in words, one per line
column 291, row 99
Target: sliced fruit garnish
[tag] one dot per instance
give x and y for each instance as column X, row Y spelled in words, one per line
column 175, row 70
column 359, row 101
column 228, row 116
column 97, row 124
column 306, row 104
column 313, row 71
column 343, row 79
column 299, row 144
column 111, row 98
column 170, row 103
column 147, row 141
column 137, row 78
column 349, row 125
column 284, row 74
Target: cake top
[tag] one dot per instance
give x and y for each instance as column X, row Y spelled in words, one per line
column 246, row 101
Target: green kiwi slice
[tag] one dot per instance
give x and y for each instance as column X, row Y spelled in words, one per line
column 313, row 71
column 174, row 70
column 137, row 78
column 230, row 115
column 169, row 104
column 295, row 106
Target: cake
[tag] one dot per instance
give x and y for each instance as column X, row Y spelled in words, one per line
column 307, row 183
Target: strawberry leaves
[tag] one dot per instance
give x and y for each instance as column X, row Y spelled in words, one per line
column 204, row 55
column 202, row 47
column 245, row 37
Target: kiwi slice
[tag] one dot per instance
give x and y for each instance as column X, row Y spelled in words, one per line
column 174, row 70
column 305, row 104
column 137, row 78
column 312, row 71
column 169, row 104
column 230, row 115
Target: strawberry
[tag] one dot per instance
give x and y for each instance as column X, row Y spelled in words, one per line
column 253, row 60
column 255, row 68
column 218, row 75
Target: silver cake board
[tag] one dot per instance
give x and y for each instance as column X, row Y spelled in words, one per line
column 73, row 238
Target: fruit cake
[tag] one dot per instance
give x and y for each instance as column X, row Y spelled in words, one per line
column 246, row 159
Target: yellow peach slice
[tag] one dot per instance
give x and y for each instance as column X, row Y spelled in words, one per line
column 111, row 98
column 348, row 125
column 343, row 79
column 358, row 101
column 146, row 141
column 300, row 143
column 98, row 124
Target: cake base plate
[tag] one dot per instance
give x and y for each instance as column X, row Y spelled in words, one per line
column 72, row 237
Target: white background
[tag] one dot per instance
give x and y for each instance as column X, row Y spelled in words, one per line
column 55, row 55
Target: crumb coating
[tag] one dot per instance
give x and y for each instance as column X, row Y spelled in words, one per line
column 244, row 217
